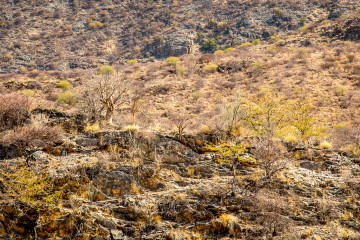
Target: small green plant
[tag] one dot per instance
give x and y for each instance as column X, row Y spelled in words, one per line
column 172, row 61
column 196, row 95
column 132, row 61
column 212, row 23
column 278, row 12
column 210, row 68
column 230, row 49
column 106, row 70
column 256, row 42
column 275, row 38
column 181, row 70
column 67, row 98
column 325, row 144
column 200, row 35
column 209, row 45
column 246, row 45
column 28, row 93
column 64, row 85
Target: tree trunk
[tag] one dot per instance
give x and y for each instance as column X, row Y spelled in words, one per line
column 109, row 116
column 234, row 179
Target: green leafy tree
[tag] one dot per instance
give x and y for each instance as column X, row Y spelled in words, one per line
column 302, row 118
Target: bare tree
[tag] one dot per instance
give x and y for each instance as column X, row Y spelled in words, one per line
column 136, row 104
column 106, row 92
column 271, row 154
column 181, row 121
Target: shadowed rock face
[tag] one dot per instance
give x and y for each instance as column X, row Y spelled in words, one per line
column 174, row 44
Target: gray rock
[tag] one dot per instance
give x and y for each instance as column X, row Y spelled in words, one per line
column 39, row 156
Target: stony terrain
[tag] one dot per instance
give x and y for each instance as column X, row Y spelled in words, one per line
column 132, row 185
column 62, row 35
column 252, row 132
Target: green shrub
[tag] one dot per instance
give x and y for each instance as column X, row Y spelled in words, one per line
column 67, row 98
column 278, row 12
column 209, row 45
column 106, row 70
column 245, row 45
column 28, row 92
column 64, row 85
column 132, row 61
column 200, row 35
column 172, row 61
column 256, row 42
column 196, row 95
column 210, row 68
column 212, row 23
column 181, row 70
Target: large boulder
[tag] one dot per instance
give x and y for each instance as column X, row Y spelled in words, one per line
column 174, row 44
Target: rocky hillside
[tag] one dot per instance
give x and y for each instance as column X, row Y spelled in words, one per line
column 251, row 132
column 61, row 35
column 141, row 185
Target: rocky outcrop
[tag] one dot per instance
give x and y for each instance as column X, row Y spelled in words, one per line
column 174, row 44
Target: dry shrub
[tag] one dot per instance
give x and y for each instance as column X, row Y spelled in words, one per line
column 7, row 76
column 351, row 57
column 206, row 58
column 328, row 65
column 14, row 110
column 32, row 136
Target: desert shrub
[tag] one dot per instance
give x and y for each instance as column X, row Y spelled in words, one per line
column 14, row 110
column 33, row 74
column 106, row 70
column 209, row 45
column 28, row 93
column 325, row 144
column 256, row 42
column 196, row 95
column 32, row 136
column 181, row 70
column 230, row 49
column 132, row 61
column 92, row 127
column 206, row 58
column 218, row 52
column 172, row 61
column 67, row 98
column 210, row 68
column 200, row 35
column 132, row 128
column 278, row 12
column 212, row 23
column 351, row 57
column 22, row 70
column 64, row 85
column 245, row 45
column 302, row 53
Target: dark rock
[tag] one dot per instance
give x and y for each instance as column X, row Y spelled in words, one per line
column 11, row 151
column 310, row 165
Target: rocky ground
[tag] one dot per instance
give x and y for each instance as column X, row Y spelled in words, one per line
column 62, row 35
column 115, row 184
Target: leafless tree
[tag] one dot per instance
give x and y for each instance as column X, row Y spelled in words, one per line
column 106, row 92
column 180, row 121
column 271, row 155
